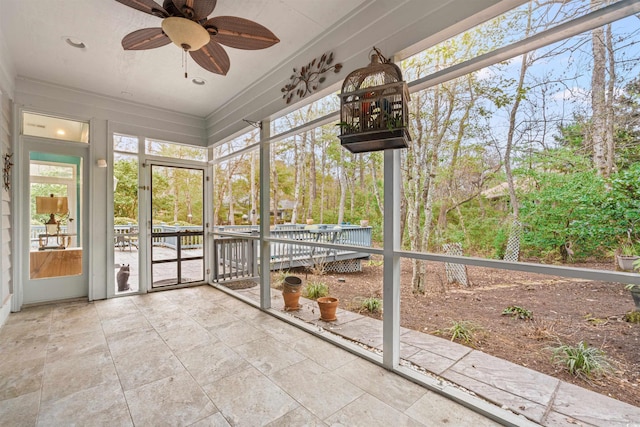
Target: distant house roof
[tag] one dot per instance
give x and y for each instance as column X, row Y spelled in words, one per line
column 286, row 204
column 502, row 190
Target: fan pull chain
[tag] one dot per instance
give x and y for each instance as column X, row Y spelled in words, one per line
column 184, row 62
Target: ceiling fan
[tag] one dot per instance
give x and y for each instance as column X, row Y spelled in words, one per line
column 185, row 23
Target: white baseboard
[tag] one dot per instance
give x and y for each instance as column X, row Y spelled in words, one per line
column 5, row 309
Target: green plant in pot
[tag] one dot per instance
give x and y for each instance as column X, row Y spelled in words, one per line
column 628, row 256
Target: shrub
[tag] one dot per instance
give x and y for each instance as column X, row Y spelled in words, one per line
column 371, row 304
column 581, row 360
column 460, row 330
column 632, row 316
column 316, row 290
column 518, row 312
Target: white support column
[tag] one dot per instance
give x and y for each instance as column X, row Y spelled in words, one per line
column 265, row 202
column 391, row 276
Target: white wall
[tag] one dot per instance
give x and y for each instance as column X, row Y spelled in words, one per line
column 5, row 214
column 7, row 77
column 105, row 114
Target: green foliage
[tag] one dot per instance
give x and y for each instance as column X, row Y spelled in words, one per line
column 371, row 304
column 518, row 312
column 629, row 249
column 460, row 330
column 316, row 290
column 125, row 196
column 582, row 360
column 579, row 208
column 124, row 221
column 565, row 208
column 375, row 262
column 500, row 243
column 632, row 316
column 347, row 128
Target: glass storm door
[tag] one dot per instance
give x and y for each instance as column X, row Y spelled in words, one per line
column 177, row 232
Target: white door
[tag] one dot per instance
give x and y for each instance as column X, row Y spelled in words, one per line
column 54, row 187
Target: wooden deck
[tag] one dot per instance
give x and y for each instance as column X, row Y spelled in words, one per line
column 237, row 255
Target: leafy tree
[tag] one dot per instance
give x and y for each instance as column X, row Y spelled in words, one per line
column 125, row 197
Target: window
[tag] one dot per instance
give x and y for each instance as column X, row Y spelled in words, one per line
column 51, row 127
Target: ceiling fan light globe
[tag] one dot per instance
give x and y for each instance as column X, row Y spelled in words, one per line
column 186, row 34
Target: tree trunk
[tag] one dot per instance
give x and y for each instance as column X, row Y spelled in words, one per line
column 598, row 102
column 413, row 185
column 609, row 139
column 376, row 190
column 297, row 180
column 274, row 185
column 254, row 195
column 343, row 188
column 323, row 166
column 232, row 216
column 313, row 185
column 513, row 198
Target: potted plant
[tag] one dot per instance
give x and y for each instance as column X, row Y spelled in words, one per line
column 328, row 307
column 291, row 289
column 628, row 256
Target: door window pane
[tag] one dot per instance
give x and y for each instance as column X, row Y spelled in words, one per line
column 55, row 208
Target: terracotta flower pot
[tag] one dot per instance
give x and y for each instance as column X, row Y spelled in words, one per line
column 328, row 306
column 291, row 289
column 291, row 301
column 291, row 284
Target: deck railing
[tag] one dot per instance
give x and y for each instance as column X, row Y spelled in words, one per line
column 187, row 242
column 284, row 255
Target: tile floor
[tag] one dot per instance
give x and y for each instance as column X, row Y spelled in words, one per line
column 196, row 357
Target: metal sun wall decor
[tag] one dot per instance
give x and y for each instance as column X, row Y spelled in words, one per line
column 6, row 171
column 306, row 80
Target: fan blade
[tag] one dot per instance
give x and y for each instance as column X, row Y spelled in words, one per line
column 201, row 8
column 241, row 33
column 147, row 6
column 212, row 57
column 147, row 38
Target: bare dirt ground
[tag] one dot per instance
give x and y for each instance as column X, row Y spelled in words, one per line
column 565, row 311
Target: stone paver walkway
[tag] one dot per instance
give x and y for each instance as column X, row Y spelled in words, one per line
column 541, row 398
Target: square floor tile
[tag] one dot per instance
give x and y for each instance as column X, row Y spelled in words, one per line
column 371, row 411
column 322, row 392
column 211, row 362
column 175, row 400
column 100, row 405
column 394, row 390
column 248, row 398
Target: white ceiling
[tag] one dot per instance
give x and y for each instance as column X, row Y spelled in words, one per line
column 34, row 32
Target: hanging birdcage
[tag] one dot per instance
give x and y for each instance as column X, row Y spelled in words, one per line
column 374, row 113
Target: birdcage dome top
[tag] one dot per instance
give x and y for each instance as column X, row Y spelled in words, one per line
column 375, row 74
